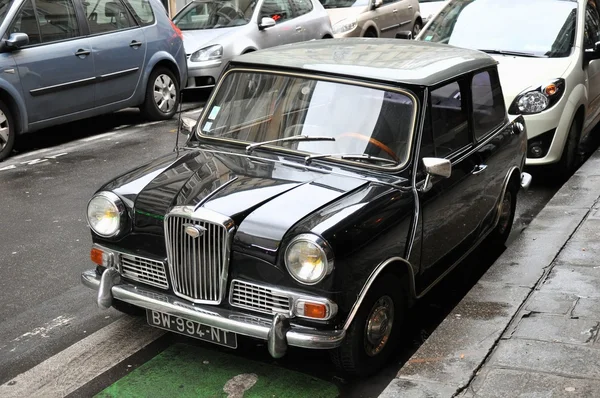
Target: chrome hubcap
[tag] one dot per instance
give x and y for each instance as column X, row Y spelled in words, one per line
column 379, row 326
column 505, row 212
column 4, row 131
column 164, row 93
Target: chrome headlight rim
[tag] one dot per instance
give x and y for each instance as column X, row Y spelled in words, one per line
column 119, row 205
column 553, row 99
column 323, row 247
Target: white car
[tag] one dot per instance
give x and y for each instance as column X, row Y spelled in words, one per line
column 548, row 53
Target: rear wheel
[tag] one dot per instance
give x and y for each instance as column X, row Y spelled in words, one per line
column 373, row 334
column 569, row 160
column 162, row 95
column 7, row 131
column 507, row 210
column 370, row 33
column 417, row 28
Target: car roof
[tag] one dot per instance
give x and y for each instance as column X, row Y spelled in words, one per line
column 392, row 60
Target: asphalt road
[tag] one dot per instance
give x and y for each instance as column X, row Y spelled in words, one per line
column 45, row 242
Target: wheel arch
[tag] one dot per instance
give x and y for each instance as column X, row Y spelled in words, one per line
column 370, row 26
column 397, row 266
column 16, row 106
column 159, row 59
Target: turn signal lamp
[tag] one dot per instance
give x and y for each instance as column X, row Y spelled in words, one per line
column 312, row 310
column 101, row 257
column 551, row 89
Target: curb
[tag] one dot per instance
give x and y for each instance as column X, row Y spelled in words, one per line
column 448, row 361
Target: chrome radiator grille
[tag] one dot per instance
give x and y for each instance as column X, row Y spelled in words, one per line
column 198, row 265
column 144, row 270
column 258, row 298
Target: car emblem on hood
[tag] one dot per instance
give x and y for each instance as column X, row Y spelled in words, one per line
column 194, row 230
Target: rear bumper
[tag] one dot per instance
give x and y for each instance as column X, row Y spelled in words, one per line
column 275, row 330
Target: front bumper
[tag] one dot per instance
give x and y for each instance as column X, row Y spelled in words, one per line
column 204, row 74
column 277, row 330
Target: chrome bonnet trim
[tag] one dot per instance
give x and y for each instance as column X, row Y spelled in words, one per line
column 232, row 321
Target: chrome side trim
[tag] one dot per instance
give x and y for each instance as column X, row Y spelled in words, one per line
column 115, row 75
column 390, row 27
column 60, row 87
column 236, row 322
column 369, row 282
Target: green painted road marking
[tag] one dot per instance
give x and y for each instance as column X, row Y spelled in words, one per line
column 188, row 371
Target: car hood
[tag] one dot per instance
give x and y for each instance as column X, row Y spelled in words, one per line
column 194, row 40
column 338, row 14
column 520, row 73
column 265, row 199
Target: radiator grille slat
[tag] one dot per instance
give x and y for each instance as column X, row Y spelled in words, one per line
column 197, row 265
column 258, row 298
column 144, row 270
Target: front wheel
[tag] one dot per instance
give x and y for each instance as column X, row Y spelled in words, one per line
column 162, row 95
column 7, row 131
column 417, row 29
column 373, row 334
column 569, row 160
column 508, row 207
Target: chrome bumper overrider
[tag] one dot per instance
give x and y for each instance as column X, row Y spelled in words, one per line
column 525, row 180
column 277, row 331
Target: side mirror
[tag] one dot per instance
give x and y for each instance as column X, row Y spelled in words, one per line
column 377, row 3
column 435, row 167
column 187, row 125
column 405, row 34
column 592, row 54
column 17, row 40
column 266, row 22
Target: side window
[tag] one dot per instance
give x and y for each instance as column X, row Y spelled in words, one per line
column 488, row 103
column 55, row 21
column 449, row 121
column 279, row 10
column 302, row 6
column 142, row 11
column 592, row 25
column 107, row 16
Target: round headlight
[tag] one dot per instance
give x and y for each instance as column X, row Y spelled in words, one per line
column 308, row 259
column 104, row 213
column 533, row 102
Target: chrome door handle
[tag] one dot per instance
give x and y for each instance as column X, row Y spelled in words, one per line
column 479, row 168
column 135, row 44
column 298, row 28
column 394, row 10
column 82, row 53
column 410, row 7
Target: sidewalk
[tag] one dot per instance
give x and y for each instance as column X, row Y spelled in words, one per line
column 529, row 327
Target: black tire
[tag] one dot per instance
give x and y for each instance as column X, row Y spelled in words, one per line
column 160, row 81
column 352, row 358
column 127, row 308
column 417, row 28
column 569, row 161
column 370, row 33
column 508, row 208
column 7, row 131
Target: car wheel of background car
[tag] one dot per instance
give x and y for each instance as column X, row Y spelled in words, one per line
column 370, row 33
column 417, row 28
column 162, row 95
column 127, row 308
column 7, row 132
column 373, row 334
column 508, row 208
column 568, row 162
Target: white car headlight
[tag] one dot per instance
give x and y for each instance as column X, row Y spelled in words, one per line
column 539, row 99
column 210, row 53
column 345, row 25
column 309, row 259
column 105, row 214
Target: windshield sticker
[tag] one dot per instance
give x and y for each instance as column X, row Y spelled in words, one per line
column 428, row 38
column 214, row 112
column 207, row 127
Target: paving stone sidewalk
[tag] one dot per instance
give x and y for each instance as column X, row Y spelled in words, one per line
column 529, row 327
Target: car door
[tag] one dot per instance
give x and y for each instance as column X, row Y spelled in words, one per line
column 386, row 18
column 449, row 225
column 592, row 69
column 56, row 68
column 118, row 48
column 308, row 21
column 286, row 29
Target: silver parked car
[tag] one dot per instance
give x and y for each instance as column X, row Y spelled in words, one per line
column 63, row 60
column 214, row 31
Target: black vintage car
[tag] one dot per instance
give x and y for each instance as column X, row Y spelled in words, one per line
column 325, row 188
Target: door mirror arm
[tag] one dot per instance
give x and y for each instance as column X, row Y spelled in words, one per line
column 435, row 167
column 266, row 22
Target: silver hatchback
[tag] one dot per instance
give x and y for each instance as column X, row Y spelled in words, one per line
column 214, row 31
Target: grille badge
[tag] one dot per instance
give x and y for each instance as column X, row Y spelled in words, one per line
column 194, row 230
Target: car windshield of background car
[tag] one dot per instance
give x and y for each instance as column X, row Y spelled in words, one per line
column 328, row 4
column 215, row 14
column 257, row 107
column 502, row 25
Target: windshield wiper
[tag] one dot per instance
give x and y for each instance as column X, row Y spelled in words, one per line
column 347, row 156
column 517, row 53
column 252, row 147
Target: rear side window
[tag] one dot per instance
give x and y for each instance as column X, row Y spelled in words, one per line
column 449, row 122
column 488, row 103
column 302, row 6
column 53, row 20
column 279, row 10
column 142, row 11
column 105, row 16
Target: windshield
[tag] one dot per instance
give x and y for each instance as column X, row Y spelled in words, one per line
column 258, row 107
column 215, row 14
column 515, row 26
column 344, row 3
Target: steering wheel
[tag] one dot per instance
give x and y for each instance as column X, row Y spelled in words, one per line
column 373, row 141
column 228, row 15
